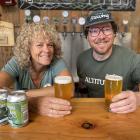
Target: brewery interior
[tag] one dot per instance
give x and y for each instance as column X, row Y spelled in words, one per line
column 70, row 24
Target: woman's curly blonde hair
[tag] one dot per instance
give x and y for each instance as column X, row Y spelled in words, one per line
column 30, row 31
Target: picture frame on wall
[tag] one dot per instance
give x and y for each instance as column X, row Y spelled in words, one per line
column 113, row 5
column 6, row 34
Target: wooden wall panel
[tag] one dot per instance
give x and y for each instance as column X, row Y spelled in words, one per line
column 16, row 16
column 9, row 14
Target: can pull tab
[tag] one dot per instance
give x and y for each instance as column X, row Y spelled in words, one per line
column 8, row 89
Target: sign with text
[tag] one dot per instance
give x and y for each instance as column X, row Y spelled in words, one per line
column 114, row 5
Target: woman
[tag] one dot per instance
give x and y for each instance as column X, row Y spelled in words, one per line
column 36, row 61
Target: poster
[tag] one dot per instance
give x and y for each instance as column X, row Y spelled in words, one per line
column 114, row 5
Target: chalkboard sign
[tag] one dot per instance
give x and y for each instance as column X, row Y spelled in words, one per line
column 114, row 5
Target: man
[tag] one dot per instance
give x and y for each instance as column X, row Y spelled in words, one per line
column 105, row 58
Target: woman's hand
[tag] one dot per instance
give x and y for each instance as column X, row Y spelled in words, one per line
column 125, row 102
column 50, row 106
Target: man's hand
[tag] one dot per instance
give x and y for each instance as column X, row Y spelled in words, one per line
column 125, row 102
column 50, row 106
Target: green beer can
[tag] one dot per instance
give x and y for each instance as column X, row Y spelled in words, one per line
column 3, row 107
column 17, row 105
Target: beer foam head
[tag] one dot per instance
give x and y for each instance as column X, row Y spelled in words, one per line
column 113, row 77
column 63, row 79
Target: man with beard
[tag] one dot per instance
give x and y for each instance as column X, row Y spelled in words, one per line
column 103, row 58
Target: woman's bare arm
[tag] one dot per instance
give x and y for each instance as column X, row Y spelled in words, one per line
column 5, row 80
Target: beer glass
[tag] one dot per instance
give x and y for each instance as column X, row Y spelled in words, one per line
column 113, row 86
column 63, row 87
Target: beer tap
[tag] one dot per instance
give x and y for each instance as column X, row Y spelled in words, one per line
column 81, row 22
column 74, row 22
column 46, row 19
column 56, row 22
column 36, row 19
column 27, row 16
column 125, row 23
column 89, row 2
column 65, row 21
column 64, row 31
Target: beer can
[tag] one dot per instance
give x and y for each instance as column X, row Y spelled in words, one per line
column 17, row 105
column 3, row 107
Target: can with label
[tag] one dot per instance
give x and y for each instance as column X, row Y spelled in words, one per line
column 17, row 105
column 3, row 107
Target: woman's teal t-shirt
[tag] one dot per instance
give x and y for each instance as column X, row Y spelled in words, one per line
column 23, row 79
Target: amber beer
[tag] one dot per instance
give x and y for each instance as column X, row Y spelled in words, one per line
column 63, row 87
column 113, row 86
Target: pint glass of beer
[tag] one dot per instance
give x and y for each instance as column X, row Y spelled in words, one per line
column 113, row 86
column 63, row 87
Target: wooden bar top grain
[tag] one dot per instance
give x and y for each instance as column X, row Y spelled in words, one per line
column 108, row 126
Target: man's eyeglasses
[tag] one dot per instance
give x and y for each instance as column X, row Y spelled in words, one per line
column 96, row 31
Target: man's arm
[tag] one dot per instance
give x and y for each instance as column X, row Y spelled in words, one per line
column 125, row 102
column 138, row 96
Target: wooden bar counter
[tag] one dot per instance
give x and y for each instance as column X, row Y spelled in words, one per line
column 105, row 125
